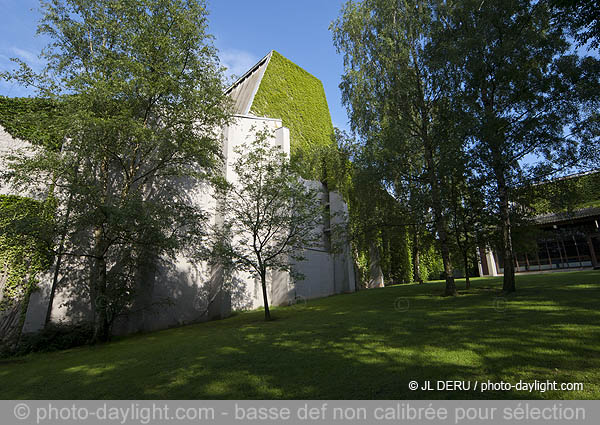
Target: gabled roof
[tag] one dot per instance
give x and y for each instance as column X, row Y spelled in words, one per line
column 276, row 87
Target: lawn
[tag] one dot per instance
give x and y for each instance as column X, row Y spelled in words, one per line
column 367, row 345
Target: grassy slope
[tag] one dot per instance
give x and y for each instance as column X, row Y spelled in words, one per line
column 350, row 346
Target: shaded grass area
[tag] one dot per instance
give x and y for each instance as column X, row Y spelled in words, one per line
column 367, row 345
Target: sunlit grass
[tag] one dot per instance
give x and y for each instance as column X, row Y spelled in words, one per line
column 359, row 346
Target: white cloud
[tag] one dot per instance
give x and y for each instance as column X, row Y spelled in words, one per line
column 237, row 62
column 30, row 58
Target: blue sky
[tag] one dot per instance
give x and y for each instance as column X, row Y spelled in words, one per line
column 245, row 31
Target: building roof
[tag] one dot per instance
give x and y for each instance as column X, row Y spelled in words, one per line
column 552, row 218
column 244, row 89
column 569, row 177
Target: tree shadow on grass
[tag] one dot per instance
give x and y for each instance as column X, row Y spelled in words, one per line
column 357, row 346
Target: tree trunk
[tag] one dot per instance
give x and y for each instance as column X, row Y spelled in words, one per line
column 53, row 288
column 416, row 257
column 466, row 255
column 101, row 324
column 450, row 284
column 440, row 222
column 144, row 278
column 509, row 268
column 263, row 281
column 100, row 300
column 466, row 262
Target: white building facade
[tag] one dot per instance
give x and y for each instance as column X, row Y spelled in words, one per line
column 179, row 291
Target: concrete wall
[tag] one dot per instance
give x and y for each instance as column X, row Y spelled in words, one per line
column 318, row 269
column 36, row 313
column 11, row 146
column 486, row 262
column 344, row 277
column 176, row 291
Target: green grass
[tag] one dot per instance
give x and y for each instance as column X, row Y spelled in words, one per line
column 367, row 345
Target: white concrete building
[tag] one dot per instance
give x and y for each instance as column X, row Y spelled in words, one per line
column 180, row 291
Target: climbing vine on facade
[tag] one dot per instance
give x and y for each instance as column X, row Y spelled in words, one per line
column 26, row 229
column 31, row 119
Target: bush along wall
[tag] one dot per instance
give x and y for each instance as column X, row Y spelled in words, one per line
column 567, row 194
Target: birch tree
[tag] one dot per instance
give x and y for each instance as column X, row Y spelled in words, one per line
column 140, row 90
column 269, row 215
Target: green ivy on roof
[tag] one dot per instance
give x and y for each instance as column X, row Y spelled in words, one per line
column 296, row 97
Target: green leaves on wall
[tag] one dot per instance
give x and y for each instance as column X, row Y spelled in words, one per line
column 296, row 97
column 26, row 229
column 31, row 119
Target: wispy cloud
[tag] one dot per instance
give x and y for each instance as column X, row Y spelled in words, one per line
column 12, row 89
column 237, row 62
column 31, row 58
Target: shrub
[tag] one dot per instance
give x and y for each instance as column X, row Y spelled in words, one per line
column 55, row 337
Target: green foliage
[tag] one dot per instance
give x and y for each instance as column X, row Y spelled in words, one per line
column 26, row 233
column 396, row 261
column 269, row 216
column 567, row 194
column 583, row 17
column 54, row 337
column 526, row 103
column 298, row 98
column 361, row 260
column 31, row 119
column 396, row 106
column 396, row 251
column 431, row 265
column 142, row 101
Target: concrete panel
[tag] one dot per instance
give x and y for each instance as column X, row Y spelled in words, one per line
column 282, row 138
column 375, row 273
column 491, row 263
column 243, row 130
column 35, row 318
column 11, row 146
column 282, row 289
column 317, row 269
column 344, row 278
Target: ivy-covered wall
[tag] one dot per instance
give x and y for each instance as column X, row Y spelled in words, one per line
column 31, row 119
column 296, row 97
column 571, row 193
column 26, row 234
column 26, row 225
